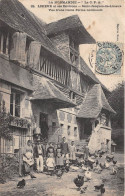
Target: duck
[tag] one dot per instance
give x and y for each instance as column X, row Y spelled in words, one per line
column 79, row 181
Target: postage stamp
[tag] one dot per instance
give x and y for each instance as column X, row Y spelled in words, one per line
column 109, row 58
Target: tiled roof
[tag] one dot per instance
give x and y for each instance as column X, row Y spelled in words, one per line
column 93, row 103
column 15, row 74
column 13, row 13
column 48, row 91
column 70, row 23
column 88, row 72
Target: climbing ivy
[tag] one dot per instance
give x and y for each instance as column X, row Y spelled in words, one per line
column 4, row 122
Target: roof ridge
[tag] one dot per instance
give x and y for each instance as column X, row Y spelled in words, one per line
column 75, row 15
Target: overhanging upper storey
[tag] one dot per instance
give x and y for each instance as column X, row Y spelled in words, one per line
column 71, row 25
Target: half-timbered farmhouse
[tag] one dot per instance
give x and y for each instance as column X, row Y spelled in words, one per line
column 44, row 81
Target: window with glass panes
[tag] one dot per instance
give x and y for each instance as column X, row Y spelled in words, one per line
column 15, row 104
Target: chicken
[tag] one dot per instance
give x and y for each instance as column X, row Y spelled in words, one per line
column 84, row 168
column 59, row 173
column 98, row 169
column 109, row 158
column 83, row 190
column 88, row 175
column 98, row 187
column 21, row 184
column 97, row 163
column 102, row 166
column 101, row 153
column 74, row 168
column 114, row 171
column 90, row 162
column 107, row 165
column 32, row 176
column 67, row 168
column 102, row 190
column 79, row 181
column 114, row 162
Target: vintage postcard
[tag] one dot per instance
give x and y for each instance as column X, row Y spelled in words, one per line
column 62, row 97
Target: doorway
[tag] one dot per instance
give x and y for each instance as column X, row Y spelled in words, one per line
column 87, row 128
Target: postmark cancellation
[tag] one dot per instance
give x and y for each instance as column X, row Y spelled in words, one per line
column 109, row 58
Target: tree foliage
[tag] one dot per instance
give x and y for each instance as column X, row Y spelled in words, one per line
column 116, row 100
column 4, row 122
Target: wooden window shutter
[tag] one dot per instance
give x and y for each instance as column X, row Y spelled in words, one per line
column 34, row 54
column 18, row 45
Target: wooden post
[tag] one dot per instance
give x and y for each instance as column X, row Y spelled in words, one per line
column 7, row 44
column 20, row 157
column 2, row 38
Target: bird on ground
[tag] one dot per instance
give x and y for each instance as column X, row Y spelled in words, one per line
column 102, row 190
column 109, row 158
column 88, row 175
column 98, row 169
column 97, row 163
column 74, row 168
column 59, row 173
column 67, row 168
column 114, row 171
column 114, row 162
column 107, row 164
column 79, row 181
column 90, row 163
column 102, row 166
column 84, row 168
column 98, row 187
column 21, row 184
column 83, row 190
column 32, row 176
column 102, row 153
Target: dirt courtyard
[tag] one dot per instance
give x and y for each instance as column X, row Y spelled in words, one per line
column 52, row 186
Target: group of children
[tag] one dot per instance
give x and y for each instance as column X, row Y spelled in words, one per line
column 52, row 157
